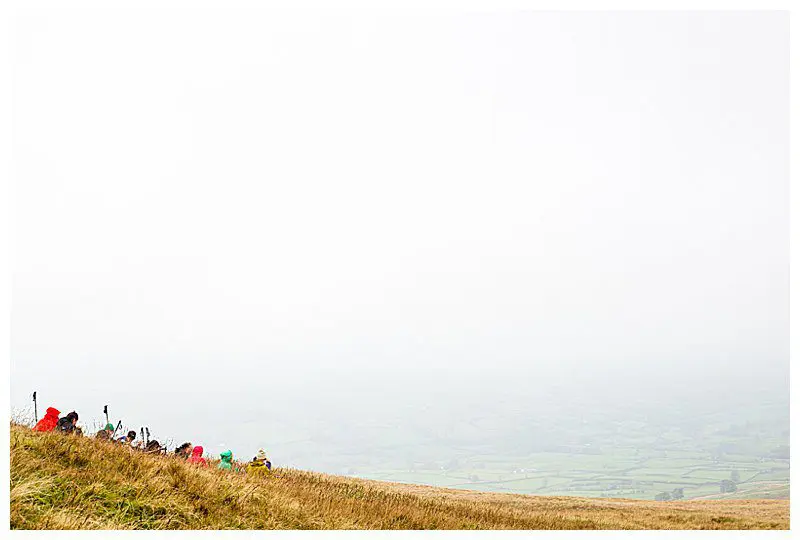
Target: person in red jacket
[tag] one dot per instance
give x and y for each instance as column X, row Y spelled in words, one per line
column 197, row 457
column 48, row 423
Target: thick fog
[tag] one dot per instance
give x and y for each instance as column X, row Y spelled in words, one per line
column 342, row 235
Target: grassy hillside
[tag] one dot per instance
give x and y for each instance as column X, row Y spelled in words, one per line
column 60, row 482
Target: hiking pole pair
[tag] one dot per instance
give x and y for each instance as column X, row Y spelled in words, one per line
column 145, row 440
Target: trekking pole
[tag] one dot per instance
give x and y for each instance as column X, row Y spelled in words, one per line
column 105, row 411
column 141, row 441
column 147, row 432
column 119, row 425
column 35, row 410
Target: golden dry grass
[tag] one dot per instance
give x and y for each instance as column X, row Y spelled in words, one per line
column 62, row 482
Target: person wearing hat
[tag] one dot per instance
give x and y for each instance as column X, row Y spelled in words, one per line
column 106, row 433
column 260, row 464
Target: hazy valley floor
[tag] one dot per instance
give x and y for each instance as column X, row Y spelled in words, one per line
column 61, row 482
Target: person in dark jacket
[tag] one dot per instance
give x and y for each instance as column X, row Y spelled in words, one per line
column 67, row 424
column 153, row 447
column 184, row 450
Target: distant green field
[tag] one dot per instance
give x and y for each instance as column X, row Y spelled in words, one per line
column 601, row 455
column 773, row 475
column 701, row 491
column 711, row 474
column 613, row 475
column 675, row 463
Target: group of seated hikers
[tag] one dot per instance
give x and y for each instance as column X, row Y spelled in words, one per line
column 260, row 464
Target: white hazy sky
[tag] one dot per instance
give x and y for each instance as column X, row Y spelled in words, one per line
column 214, row 200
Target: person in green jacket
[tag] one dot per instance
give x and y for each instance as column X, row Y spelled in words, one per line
column 226, row 460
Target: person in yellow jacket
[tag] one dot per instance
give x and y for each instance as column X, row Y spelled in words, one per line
column 260, row 464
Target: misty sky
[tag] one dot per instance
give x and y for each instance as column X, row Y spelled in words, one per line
column 217, row 208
